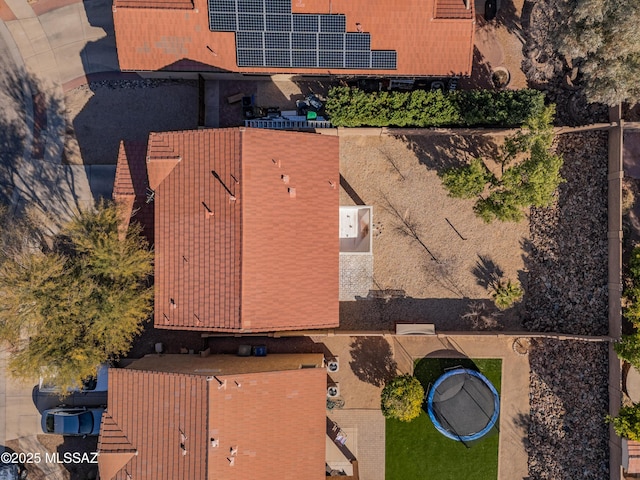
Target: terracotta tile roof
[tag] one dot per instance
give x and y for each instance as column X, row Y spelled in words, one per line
column 275, row 422
column 169, row 4
column 236, row 249
column 130, row 187
column 634, row 457
column 453, row 9
column 426, row 43
column 152, row 409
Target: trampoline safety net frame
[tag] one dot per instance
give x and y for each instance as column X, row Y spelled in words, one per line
column 463, row 405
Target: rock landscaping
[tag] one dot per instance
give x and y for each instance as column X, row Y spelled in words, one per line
column 568, row 437
column 567, row 262
column 567, row 292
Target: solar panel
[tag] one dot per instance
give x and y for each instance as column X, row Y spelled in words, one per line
column 304, row 58
column 222, row 6
column 250, row 58
column 279, row 23
column 277, row 58
column 330, row 59
column 278, row 6
column 223, row 22
column 305, row 23
column 357, row 41
column 333, row 23
column 277, row 40
column 331, row 41
column 384, row 59
column 248, row 21
column 249, row 40
column 269, row 34
column 304, row 41
column 357, row 60
column 250, row 6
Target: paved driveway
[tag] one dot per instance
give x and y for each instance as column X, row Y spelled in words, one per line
column 19, row 416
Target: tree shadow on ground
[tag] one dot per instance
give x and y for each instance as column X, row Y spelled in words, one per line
column 430, row 368
column 481, row 75
column 372, row 360
column 441, row 152
column 509, row 17
column 382, row 309
column 487, row 272
column 29, row 149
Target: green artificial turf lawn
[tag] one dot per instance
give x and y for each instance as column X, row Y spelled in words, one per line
column 416, row 450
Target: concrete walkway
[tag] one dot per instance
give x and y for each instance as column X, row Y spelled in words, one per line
column 62, row 45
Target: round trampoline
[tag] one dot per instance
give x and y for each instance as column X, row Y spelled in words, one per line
column 463, row 405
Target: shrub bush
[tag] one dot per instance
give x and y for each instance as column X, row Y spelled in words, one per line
column 627, row 423
column 351, row 107
column 402, row 398
column 506, row 294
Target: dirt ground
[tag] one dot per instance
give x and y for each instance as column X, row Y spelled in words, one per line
column 441, row 273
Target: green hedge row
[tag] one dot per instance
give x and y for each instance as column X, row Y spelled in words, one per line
column 351, row 107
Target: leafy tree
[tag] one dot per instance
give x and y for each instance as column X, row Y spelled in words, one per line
column 601, row 33
column 499, row 205
column 66, row 310
column 505, row 294
column 627, row 423
column 534, row 181
column 468, row 181
column 530, row 182
column 628, row 348
column 402, row 398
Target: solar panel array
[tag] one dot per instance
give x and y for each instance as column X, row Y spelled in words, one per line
column 269, row 35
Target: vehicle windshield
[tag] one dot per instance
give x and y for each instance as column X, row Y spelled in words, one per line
column 90, row 384
column 50, row 423
column 86, row 422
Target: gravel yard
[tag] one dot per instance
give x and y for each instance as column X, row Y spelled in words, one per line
column 568, row 437
column 567, row 292
column 567, row 262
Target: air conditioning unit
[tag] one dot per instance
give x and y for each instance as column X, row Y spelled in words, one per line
column 333, row 365
column 333, row 391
